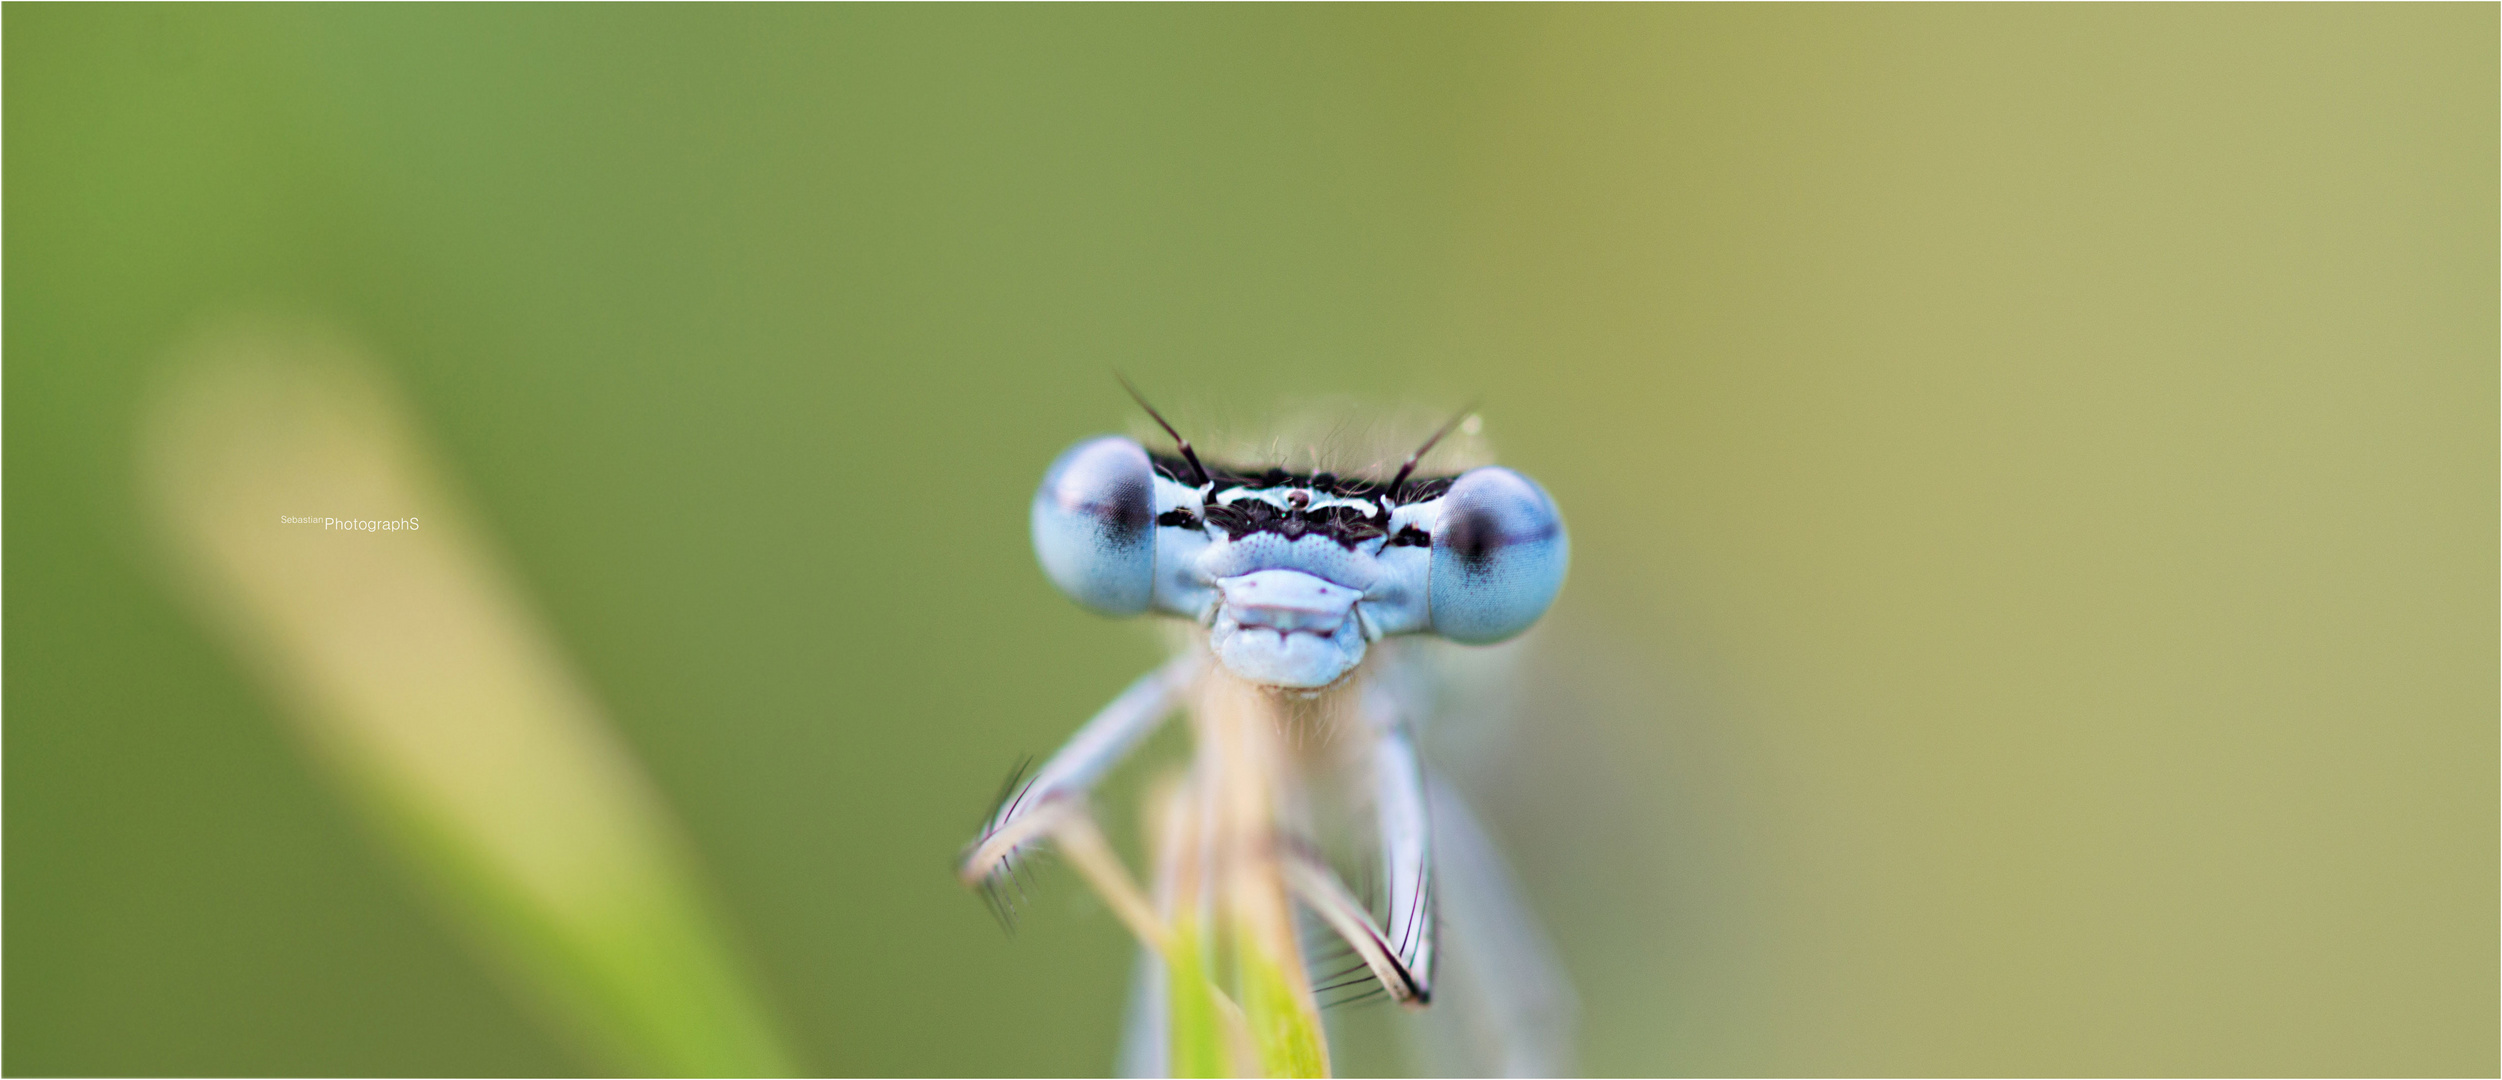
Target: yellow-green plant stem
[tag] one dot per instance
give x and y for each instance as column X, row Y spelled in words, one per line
column 1198, row 1035
column 1240, row 771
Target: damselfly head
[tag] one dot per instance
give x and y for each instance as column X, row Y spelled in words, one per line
column 1294, row 573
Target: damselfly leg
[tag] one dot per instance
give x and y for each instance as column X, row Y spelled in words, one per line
column 1032, row 808
column 1397, row 949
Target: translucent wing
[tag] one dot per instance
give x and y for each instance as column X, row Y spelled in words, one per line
column 1502, row 1006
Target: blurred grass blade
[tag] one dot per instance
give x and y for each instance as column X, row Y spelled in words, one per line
column 433, row 699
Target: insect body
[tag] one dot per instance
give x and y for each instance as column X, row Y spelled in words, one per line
column 1301, row 585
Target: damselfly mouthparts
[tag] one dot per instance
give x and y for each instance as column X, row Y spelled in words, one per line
column 1309, row 593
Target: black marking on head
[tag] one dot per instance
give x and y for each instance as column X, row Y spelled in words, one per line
column 1411, row 536
column 1226, row 478
column 1347, row 525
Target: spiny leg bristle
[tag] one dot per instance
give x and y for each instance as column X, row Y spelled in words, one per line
column 1010, row 886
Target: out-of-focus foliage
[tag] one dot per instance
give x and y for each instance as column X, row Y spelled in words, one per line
column 428, row 697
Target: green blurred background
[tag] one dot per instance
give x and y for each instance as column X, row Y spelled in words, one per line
column 2033, row 476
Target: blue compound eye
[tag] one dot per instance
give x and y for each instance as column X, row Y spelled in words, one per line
column 1094, row 525
column 1499, row 554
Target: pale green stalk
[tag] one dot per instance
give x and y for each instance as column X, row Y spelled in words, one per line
column 1242, row 764
column 1220, row 917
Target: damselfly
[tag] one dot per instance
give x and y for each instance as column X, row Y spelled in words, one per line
column 1314, row 599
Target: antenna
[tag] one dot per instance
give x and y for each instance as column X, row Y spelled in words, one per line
column 1188, row 454
column 1400, row 480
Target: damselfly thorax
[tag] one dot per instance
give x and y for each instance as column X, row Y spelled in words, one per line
column 1306, row 591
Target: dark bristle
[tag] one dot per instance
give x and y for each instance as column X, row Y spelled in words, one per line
column 1341, row 985
column 1021, row 793
column 1007, row 788
column 1400, row 481
column 1407, row 926
column 1198, row 472
column 1343, row 973
column 1375, row 994
column 995, row 883
column 1000, row 908
column 1016, row 873
column 1336, row 952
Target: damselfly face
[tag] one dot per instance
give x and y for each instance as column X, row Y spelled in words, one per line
column 1294, row 574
